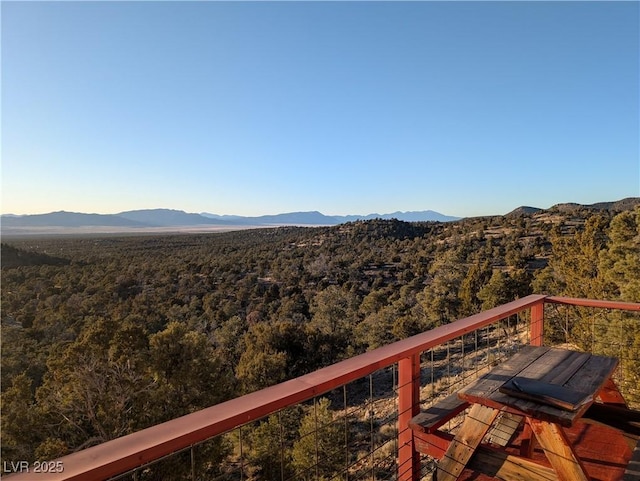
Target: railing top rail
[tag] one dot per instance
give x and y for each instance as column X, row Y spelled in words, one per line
column 128, row 452
column 627, row 306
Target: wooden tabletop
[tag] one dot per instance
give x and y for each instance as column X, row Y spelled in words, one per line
column 574, row 370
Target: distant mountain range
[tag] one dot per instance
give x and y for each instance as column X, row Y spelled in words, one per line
column 164, row 220
column 317, row 218
column 174, row 219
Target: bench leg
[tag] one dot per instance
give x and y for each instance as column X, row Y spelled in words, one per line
column 558, row 450
column 526, row 446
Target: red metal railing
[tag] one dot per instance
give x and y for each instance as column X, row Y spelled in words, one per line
column 138, row 449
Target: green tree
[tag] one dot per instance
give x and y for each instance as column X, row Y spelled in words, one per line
column 334, row 310
column 269, row 445
column 377, row 328
column 504, row 287
column 573, row 272
column 186, row 371
column 317, row 452
column 440, row 300
column 477, row 276
column 574, row 260
column 619, row 268
column 20, row 428
column 258, row 369
column 230, row 342
column 273, row 353
column 619, row 264
column 267, row 456
column 89, row 397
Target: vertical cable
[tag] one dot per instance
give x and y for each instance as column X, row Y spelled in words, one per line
column 193, row 463
column 477, row 363
column 464, row 371
column 487, row 337
column 622, row 342
column 346, row 433
column 498, row 346
column 281, row 445
column 241, row 454
column 315, row 434
column 518, row 329
column 448, row 367
column 433, row 386
column 623, row 364
column 593, row 334
column 373, row 477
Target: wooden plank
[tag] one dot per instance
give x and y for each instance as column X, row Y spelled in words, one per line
column 562, row 364
column 537, row 410
column 491, row 382
column 514, row 468
column 493, row 462
column 558, row 450
column 430, row 419
column 546, row 393
column 594, row 374
column 503, row 429
column 473, row 429
column 555, row 366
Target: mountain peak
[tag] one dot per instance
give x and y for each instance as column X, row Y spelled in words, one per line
column 523, row 210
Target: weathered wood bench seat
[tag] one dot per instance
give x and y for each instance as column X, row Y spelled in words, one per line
column 435, row 416
column 624, row 419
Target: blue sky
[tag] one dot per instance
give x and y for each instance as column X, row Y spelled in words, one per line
column 250, row 108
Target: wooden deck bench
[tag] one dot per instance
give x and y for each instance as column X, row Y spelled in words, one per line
column 431, row 419
column 435, row 416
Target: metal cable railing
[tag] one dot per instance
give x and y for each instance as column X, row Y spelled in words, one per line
column 348, row 421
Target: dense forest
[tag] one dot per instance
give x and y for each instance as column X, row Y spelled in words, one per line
column 106, row 335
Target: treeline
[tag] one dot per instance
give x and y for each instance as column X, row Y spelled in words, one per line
column 104, row 336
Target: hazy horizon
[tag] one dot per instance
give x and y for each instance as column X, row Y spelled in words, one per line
column 299, row 211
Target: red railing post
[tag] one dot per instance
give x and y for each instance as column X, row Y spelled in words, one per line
column 537, row 324
column 408, row 406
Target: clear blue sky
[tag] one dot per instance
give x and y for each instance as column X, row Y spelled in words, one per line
column 347, row 108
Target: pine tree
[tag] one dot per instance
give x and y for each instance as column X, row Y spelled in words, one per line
column 316, row 454
column 619, row 264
